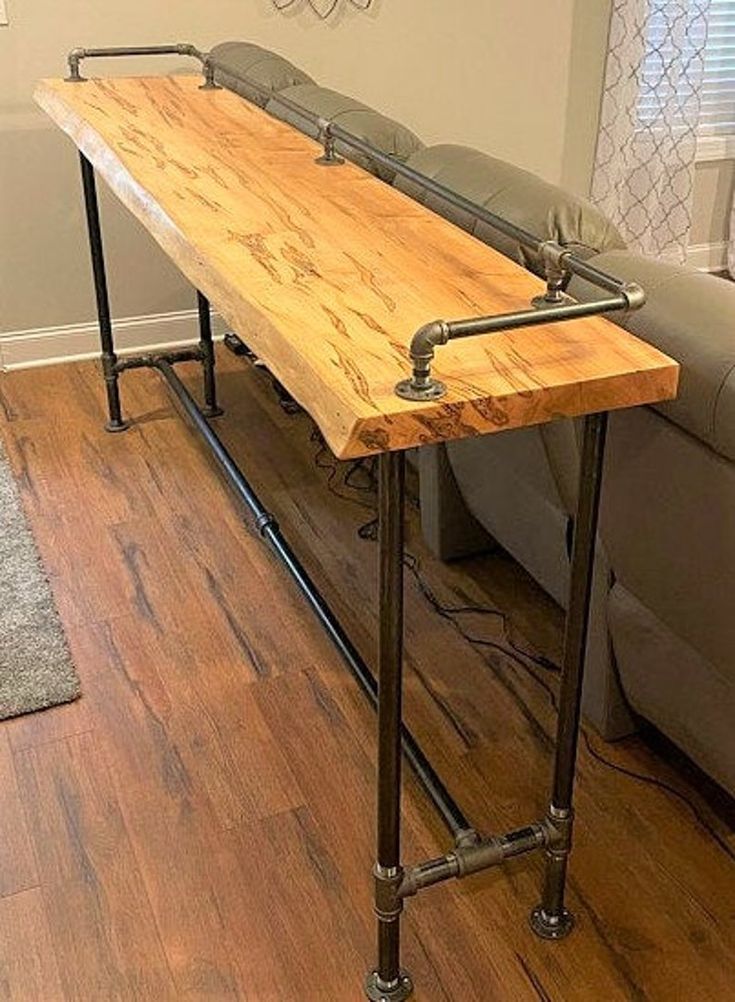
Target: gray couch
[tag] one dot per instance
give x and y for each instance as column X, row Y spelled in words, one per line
column 663, row 637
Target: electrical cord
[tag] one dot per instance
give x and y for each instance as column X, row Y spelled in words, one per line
column 366, row 467
column 525, row 659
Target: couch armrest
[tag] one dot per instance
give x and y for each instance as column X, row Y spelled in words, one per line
column 691, row 316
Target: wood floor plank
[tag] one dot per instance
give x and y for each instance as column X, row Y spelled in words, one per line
column 222, row 760
column 306, row 715
column 164, row 781
column 98, row 911
column 17, row 862
column 28, row 968
column 203, row 712
column 280, row 870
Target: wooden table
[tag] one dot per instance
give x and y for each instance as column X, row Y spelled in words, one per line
column 326, row 273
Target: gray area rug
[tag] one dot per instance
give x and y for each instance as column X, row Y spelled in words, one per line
column 36, row 669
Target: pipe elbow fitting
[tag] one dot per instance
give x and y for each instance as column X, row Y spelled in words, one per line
column 427, row 339
column 423, row 345
column 74, row 60
column 635, row 295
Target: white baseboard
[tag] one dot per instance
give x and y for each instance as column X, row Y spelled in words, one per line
column 76, row 342
column 708, row 257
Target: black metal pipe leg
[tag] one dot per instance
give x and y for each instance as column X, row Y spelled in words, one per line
column 388, row 983
column 109, row 359
column 550, row 919
column 206, row 347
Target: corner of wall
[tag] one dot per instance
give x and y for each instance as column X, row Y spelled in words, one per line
column 588, row 54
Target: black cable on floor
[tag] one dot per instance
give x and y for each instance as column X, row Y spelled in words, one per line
column 522, row 658
column 325, row 461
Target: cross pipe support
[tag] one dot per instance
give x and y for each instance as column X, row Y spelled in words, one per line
column 484, row 853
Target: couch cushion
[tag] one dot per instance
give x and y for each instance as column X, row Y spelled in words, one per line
column 690, row 316
column 522, row 198
column 667, row 522
column 386, row 134
column 235, row 62
column 507, row 485
column 670, row 683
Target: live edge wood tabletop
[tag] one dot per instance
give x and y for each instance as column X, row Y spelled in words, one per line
column 326, row 273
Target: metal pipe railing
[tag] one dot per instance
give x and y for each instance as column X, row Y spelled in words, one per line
column 421, row 385
column 329, row 130
column 75, row 57
column 559, row 263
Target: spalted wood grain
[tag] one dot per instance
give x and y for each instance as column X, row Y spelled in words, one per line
column 327, row 273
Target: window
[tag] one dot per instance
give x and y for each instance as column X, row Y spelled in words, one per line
column 666, row 87
column 717, row 117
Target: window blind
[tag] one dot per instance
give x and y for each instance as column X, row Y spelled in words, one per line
column 672, row 70
column 717, row 116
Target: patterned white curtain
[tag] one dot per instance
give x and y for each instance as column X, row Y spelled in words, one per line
column 644, row 165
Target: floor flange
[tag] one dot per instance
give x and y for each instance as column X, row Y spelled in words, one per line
column 115, row 426
column 551, row 926
column 402, row 989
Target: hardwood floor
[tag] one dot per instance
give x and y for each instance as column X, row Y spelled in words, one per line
column 199, row 825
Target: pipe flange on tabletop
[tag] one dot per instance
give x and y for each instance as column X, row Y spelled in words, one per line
column 409, row 389
column 422, row 386
column 330, row 157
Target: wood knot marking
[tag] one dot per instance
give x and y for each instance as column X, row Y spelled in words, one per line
column 300, row 262
column 209, row 203
column 376, row 439
column 184, row 168
column 491, row 411
column 255, row 243
column 336, row 321
column 351, row 371
column 370, row 280
column 446, row 423
column 370, row 322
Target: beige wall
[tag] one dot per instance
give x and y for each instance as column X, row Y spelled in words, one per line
column 518, row 78
column 587, row 52
column 495, row 75
column 713, row 194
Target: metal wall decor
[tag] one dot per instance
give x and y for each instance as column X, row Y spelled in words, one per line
column 323, row 8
